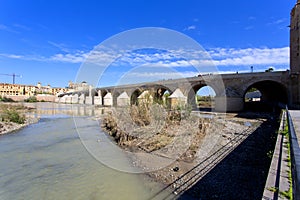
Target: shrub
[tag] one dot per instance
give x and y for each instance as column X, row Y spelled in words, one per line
column 5, row 99
column 11, row 115
column 140, row 114
column 31, row 99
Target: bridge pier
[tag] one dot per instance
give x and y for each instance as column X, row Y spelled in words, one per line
column 75, row 99
column 98, row 99
column 69, row 99
column 108, row 99
column 82, row 99
column 123, row 100
column 57, row 99
column 89, row 100
column 177, row 99
column 62, row 99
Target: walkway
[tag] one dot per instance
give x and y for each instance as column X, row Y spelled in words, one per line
column 295, row 114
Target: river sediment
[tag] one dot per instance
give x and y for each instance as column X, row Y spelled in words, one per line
column 18, row 119
column 210, row 141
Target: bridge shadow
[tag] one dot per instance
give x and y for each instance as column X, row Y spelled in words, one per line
column 205, row 109
column 243, row 173
column 239, row 173
column 263, row 106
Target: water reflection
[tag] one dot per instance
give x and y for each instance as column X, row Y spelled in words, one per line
column 51, row 109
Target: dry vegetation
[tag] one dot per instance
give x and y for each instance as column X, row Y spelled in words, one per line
column 12, row 117
column 150, row 128
column 179, row 135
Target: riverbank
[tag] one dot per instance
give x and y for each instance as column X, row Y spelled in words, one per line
column 13, row 117
column 193, row 144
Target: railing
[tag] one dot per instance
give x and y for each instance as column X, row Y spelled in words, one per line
column 295, row 157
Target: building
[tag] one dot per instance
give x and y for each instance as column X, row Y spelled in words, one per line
column 7, row 89
column 294, row 39
column 72, row 87
column 295, row 52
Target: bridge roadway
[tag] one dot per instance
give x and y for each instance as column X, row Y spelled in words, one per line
column 275, row 87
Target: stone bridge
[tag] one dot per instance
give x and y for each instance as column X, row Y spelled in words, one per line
column 276, row 88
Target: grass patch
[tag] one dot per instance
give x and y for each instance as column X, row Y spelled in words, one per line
column 273, row 189
column 289, row 193
column 11, row 114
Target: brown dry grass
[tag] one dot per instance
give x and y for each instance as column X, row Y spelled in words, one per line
column 151, row 129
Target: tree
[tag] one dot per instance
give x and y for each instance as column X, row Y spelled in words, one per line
column 271, row 69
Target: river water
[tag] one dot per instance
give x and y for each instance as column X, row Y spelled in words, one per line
column 47, row 160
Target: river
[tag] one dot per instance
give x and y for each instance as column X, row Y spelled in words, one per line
column 48, row 160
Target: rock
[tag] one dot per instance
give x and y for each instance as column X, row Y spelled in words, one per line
column 176, row 169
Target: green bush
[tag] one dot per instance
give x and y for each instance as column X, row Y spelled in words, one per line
column 11, row 115
column 31, row 99
column 5, row 99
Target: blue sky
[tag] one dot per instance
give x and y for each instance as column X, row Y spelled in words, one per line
column 48, row 41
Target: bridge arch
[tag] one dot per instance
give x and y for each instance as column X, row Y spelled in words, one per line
column 192, row 95
column 266, row 95
column 160, row 91
column 134, row 96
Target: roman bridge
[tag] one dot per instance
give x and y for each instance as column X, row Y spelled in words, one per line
column 276, row 88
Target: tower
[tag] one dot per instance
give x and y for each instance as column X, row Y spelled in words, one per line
column 295, row 39
column 294, row 81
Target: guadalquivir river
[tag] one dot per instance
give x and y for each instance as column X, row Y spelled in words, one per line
column 47, row 160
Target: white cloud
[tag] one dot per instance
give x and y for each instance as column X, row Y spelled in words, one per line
column 3, row 27
column 250, row 56
column 278, row 21
column 6, row 28
column 189, row 28
column 249, row 28
column 229, row 57
column 60, row 46
column 192, row 27
column 70, row 58
column 20, row 26
column 14, row 56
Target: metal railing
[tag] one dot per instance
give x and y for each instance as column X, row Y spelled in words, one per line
column 295, row 157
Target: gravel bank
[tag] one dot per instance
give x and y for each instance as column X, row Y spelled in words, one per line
column 7, row 126
column 11, row 127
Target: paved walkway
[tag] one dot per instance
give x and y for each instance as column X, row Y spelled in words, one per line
column 295, row 114
column 278, row 172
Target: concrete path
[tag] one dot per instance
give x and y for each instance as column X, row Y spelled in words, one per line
column 278, row 173
column 295, row 114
